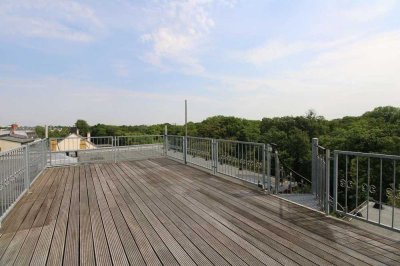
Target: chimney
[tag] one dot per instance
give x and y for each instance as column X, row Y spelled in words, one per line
column 88, row 136
column 13, row 128
column 46, row 131
column 77, row 131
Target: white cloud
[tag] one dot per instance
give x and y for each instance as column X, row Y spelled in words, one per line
column 278, row 49
column 178, row 34
column 66, row 20
column 348, row 79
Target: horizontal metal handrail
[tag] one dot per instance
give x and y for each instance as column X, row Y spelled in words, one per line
column 371, row 155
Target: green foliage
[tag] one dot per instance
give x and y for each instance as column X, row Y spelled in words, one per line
column 83, row 127
column 374, row 131
column 40, row 132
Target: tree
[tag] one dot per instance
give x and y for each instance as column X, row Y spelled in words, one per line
column 83, row 126
column 40, row 131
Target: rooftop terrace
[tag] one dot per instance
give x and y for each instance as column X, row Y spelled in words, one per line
column 160, row 211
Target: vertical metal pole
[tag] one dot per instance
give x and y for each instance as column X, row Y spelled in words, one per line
column 269, row 150
column 216, row 156
column 335, row 179
column 314, row 150
column 26, row 158
column 327, row 175
column 277, row 173
column 186, row 118
column 165, row 140
column 380, row 191
column 184, row 147
column 50, row 152
column 263, row 165
column 114, row 144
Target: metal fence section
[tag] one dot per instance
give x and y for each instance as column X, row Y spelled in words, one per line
column 242, row 160
column 321, row 181
column 19, row 167
column 199, row 152
column 76, row 150
column 367, row 187
column 175, row 147
column 139, row 147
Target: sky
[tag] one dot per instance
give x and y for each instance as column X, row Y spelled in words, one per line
column 135, row 62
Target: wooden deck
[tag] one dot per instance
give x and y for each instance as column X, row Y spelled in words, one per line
column 161, row 212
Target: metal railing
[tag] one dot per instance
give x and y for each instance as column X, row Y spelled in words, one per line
column 76, row 150
column 19, row 168
column 367, row 188
column 363, row 186
column 175, row 147
column 321, row 182
column 200, row 152
column 241, row 160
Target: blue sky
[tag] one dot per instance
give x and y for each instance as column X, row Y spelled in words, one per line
column 134, row 62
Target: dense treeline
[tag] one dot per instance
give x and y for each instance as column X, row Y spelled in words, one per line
column 374, row 131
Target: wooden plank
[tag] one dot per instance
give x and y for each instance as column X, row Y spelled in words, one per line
column 195, row 237
column 258, row 239
column 149, row 255
column 237, row 245
column 114, row 242
column 71, row 251
column 13, row 221
column 254, row 241
column 29, row 245
column 43, row 245
column 56, row 253
column 163, row 253
column 86, row 250
column 278, row 211
column 195, row 254
column 179, row 253
column 320, row 224
column 22, row 231
column 131, row 249
column 100, row 245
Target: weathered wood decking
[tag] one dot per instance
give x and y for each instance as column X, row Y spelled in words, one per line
column 160, row 212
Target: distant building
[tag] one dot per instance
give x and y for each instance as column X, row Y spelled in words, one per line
column 14, row 138
column 72, row 142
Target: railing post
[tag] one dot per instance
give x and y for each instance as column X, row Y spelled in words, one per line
column 185, row 149
column 263, row 166
column 269, row 150
column 115, row 141
column 50, row 152
column 277, row 172
column 26, row 159
column 327, row 182
column 165, row 141
column 335, row 179
column 212, row 156
column 314, row 162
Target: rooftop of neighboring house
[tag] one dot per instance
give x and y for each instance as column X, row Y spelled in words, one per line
column 19, row 136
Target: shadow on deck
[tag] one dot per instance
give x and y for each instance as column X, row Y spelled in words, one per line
column 161, row 212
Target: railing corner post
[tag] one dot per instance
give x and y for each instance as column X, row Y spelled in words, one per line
column 269, row 150
column 165, row 141
column 335, row 179
column 314, row 151
column 328, row 179
column 263, row 165
column 277, row 172
column 185, row 149
column 26, row 159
